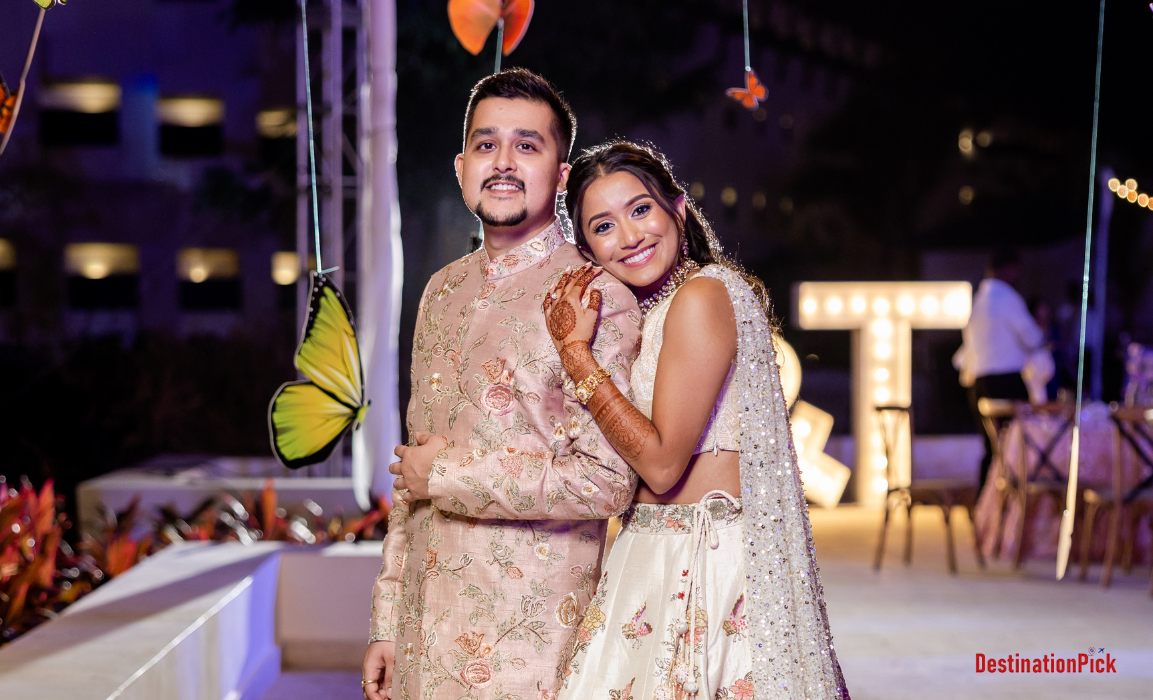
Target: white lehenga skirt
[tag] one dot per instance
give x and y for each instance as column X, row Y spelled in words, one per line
column 631, row 641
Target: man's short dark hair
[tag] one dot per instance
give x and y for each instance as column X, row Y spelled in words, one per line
column 521, row 83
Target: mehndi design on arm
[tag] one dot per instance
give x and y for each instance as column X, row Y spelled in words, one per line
column 622, row 423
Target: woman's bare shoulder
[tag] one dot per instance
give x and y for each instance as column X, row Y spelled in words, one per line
column 702, row 308
column 700, row 298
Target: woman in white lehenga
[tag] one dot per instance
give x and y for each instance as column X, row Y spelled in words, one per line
column 711, row 589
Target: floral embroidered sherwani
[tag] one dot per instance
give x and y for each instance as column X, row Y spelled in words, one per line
column 482, row 584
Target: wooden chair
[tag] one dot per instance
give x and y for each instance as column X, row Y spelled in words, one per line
column 944, row 493
column 1031, row 483
column 995, row 417
column 1135, row 428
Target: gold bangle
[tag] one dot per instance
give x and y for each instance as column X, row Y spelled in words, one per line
column 585, row 390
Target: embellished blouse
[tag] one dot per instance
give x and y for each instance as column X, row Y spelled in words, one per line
column 723, row 431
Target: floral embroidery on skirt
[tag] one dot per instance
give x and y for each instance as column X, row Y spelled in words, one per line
column 631, row 639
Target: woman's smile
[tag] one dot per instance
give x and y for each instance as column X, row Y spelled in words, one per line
column 641, row 257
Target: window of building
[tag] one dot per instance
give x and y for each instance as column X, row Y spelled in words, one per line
column 7, row 274
column 102, row 275
column 191, row 127
column 285, row 273
column 80, row 113
column 209, row 279
column 277, row 131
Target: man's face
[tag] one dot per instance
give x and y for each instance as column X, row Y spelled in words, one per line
column 511, row 168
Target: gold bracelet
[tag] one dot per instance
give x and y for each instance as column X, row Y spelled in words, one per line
column 585, row 390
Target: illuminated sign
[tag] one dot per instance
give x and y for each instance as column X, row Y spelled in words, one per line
column 882, row 316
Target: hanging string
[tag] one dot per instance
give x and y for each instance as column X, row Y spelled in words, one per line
column 311, row 137
column 499, row 43
column 23, row 80
column 496, row 69
column 1070, row 506
column 1089, row 212
column 745, row 13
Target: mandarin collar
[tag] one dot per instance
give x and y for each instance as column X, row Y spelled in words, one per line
column 525, row 255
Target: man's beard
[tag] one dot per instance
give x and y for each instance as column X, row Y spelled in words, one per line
column 491, row 220
column 509, row 220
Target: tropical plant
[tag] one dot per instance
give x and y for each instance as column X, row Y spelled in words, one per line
column 40, row 574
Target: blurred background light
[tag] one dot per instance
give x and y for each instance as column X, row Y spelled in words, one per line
column 285, row 268
column 7, row 255
column 99, row 260
column 190, row 111
column 276, row 123
column 200, row 264
column 85, row 96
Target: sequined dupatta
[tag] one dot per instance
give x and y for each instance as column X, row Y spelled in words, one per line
column 790, row 642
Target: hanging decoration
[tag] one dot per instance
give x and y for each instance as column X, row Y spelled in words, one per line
column 10, row 101
column 754, row 92
column 473, row 20
column 308, row 418
column 1065, row 536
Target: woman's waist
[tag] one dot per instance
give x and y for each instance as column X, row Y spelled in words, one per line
column 677, row 518
column 705, row 473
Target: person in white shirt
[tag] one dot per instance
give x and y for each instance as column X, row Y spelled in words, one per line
column 997, row 343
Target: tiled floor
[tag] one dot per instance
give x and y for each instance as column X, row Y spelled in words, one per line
column 914, row 632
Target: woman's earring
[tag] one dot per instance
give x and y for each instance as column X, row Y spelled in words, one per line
column 685, row 247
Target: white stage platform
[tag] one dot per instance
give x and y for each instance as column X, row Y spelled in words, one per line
column 203, row 622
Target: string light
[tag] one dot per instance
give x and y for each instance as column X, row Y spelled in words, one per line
column 1127, row 190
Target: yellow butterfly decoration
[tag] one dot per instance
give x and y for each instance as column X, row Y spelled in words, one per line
column 308, row 418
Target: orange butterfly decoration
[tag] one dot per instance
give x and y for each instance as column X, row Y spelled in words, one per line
column 7, row 106
column 472, row 21
column 752, row 93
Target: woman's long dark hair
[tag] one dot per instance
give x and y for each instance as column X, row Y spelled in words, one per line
column 653, row 169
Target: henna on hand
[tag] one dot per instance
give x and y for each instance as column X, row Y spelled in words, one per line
column 561, row 320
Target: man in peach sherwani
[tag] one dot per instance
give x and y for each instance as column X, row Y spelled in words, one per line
column 494, row 543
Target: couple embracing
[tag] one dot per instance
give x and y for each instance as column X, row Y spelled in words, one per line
column 546, row 400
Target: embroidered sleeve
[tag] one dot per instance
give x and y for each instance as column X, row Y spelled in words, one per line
column 386, row 590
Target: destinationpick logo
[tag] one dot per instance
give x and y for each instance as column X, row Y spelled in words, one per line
column 1096, row 661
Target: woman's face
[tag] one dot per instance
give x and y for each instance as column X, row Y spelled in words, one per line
column 629, row 234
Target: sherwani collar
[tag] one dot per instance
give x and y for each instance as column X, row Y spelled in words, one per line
column 525, row 255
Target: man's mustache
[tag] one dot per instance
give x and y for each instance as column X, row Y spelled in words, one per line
column 503, row 178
